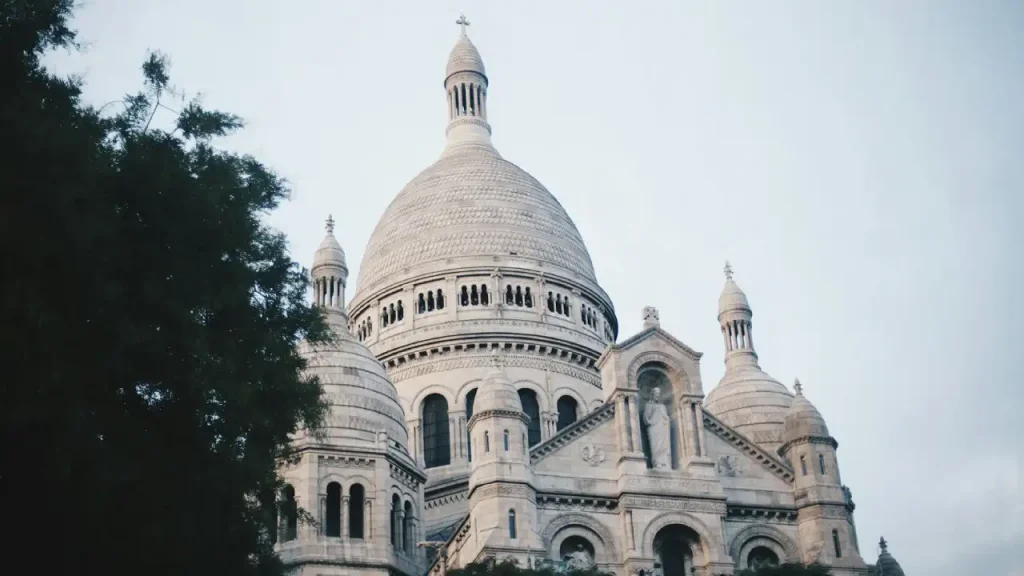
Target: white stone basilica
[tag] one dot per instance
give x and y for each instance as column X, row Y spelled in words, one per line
column 481, row 399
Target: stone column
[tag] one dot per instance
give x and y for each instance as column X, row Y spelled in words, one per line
column 623, row 419
column 634, row 404
column 399, row 530
column 699, row 415
column 322, row 529
column 344, row 516
column 685, row 427
column 368, row 519
column 453, row 442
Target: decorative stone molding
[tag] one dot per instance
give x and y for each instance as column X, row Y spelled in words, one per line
column 710, row 544
column 827, row 440
column 405, row 478
column 685, row 504
column 502, row 489
column 458, row 360
column 755, row 452
column 607, row 540
column 816, row 511
column 570, row 433
column 592, row 454
column 761, row 514
column 346, row 461
column 659, row 357
column 563, row 502
column 452, row 498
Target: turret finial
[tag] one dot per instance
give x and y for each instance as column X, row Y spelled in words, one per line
column 463, row 23
column 727, row 270
column 883, row 544
column 330, row 224
column 798, row 387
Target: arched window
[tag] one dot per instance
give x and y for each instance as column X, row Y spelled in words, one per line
column 472, row 101
column 407, row 524
column 270, row 517
column 401, row 312
column 484, row 297
column 464, row 101
column 567, row 408
column 528, row 298
column 835, row 542
column 430, row 301
column 464, row 300
column 290, row 512
column 519, row 296
column 761, row 557
column 474, row 296
column 440, row 300
column 506, row 440
column 565, row 306
column 355, row 511
column 821, row 463
column 509, row 298
column 396, row 525
column 421, row 304
column 487, row 441
column 512, row 524
column 558, row 303
column 332, row 524
column 803, row 465
column 528, row 398
column 470, row 399
column 436, row 440
column 583, row 314
column 551, row 302
column 384, row 317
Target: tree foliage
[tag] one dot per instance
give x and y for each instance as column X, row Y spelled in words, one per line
column 150, row 323
column 490, row 567
column 787, row 570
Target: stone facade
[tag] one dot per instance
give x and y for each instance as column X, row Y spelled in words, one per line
column 523, row 431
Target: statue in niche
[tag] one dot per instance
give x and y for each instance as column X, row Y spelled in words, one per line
column 578, row 559
column 659, row 435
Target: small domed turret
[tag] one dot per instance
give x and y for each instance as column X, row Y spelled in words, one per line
column 497, row 393
column 330, row 272
column 887, row 565
column 803, row 419
column 464, row 56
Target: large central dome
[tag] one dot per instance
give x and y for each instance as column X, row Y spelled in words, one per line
column 469, row 204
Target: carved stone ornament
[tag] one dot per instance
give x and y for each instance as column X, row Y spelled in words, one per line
column 593, row 455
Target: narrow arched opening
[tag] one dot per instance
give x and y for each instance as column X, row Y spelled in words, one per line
column 356, row 494
column 675, row 547
column 290, row 514
column 762, row 557
column 528, row 398
column 436, row 440
column 332, row 523
column 568, row 410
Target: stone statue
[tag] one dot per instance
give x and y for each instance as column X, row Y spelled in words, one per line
column 578, row 559
column 658, row 431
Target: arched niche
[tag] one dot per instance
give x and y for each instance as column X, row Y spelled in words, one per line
column 567, row 526
column 656, row 376
column 709, row 546
column 746, row 540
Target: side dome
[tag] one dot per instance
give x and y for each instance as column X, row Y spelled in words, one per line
column 363, row 400
column 470, row 208
column 803, row 419
column 465, row 58
column 752, row 403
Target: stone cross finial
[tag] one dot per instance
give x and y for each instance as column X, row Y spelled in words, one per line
column 650, row 317
column 463, row 23
column 330, row 224
column 798, row 387
column 883, row 545
column 727, row 270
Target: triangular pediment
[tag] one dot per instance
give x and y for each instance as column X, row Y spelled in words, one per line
column 655, row 332
column 585, row 427
column 748, row 449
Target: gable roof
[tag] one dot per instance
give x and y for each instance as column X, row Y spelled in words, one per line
column 577, row 429
column 645, row 334
column 770, row 462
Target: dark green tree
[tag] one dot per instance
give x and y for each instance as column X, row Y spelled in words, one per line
column 150, row 322
column 491, row 567
column 787, row 570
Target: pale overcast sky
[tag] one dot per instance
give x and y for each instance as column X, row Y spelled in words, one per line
column 860, row 163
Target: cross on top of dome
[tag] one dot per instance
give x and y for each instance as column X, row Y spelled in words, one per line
column 330, row 224
column 727, row 270
column 462, row 22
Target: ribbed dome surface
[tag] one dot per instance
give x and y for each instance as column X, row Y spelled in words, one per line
column 362, row 398
column 751, row 402
column 802, row 420
column 330, row 252
column 497, row 393
column 472, row 204
column 465, row 58
column 732, row 298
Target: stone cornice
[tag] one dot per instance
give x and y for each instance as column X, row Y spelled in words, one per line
column 761, row 513
column 741, row 442
column 555, row 501
column 456, row 356
column 810, row 439
column 514, row 414
column 572, row 432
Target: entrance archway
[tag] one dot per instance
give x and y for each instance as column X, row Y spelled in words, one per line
column 675, row 547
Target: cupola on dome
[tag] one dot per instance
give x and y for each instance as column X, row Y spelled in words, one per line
column 497, row 393
column 329, row 251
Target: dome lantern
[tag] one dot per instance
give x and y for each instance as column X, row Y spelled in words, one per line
column 330, row 272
